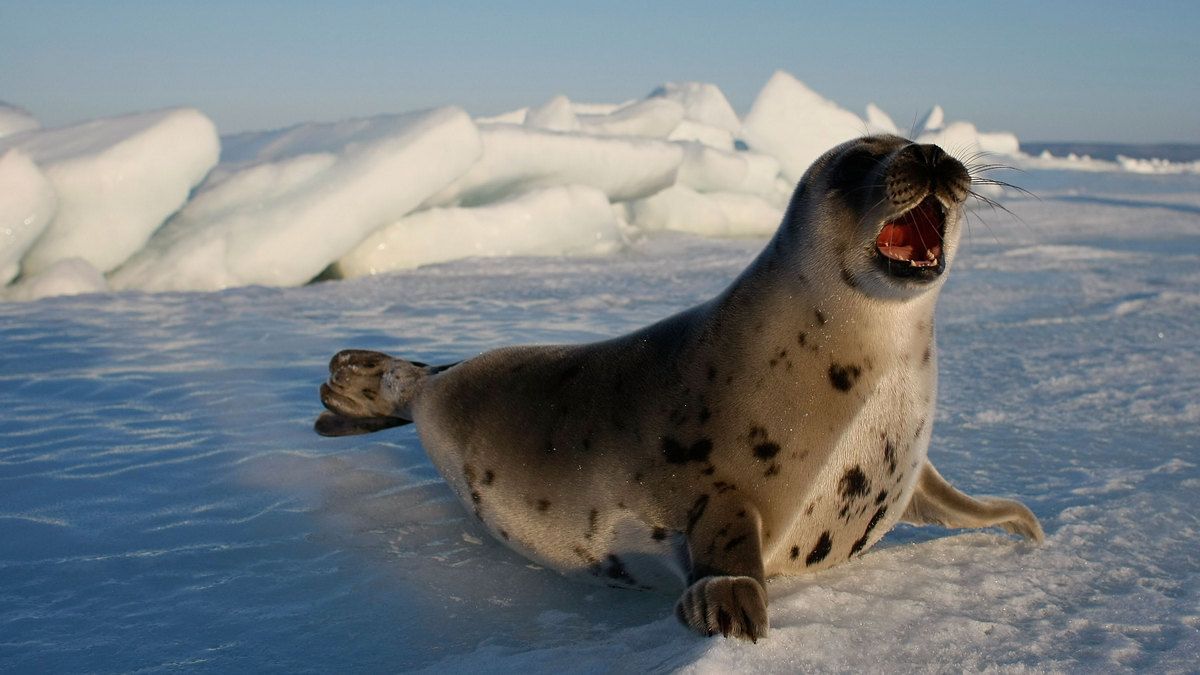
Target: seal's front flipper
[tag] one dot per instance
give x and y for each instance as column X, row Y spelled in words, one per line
column 936, row 502
column 727, row 593
column 368, row 391
column 333, row 424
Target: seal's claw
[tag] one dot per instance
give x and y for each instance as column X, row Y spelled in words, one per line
column 731, row 606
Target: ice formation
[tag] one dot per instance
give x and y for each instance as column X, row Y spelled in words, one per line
column 142, row 199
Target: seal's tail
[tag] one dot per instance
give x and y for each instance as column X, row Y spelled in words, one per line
column 369, row 391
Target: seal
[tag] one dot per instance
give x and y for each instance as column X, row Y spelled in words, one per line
column 779, row 428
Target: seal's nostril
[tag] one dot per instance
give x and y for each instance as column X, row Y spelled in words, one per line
column 932, row 154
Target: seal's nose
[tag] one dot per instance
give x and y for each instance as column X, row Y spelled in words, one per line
column 926, row 163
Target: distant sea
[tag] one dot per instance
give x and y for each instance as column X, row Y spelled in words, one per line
column 1174, row 152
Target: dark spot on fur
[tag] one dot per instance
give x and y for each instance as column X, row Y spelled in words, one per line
column 772, row 470
column 741, row 514
column 767, row 450
column 843, row 377
column 927, row 355
column 658, row 533
column 585, row 555
column 712, row 372
column 368, row 394
column 848, row 278
column 550, row 447
column 732, row 543
column 820, row 317
column 705, row 414
column 676, row 453
column 822, row 548
column 696, row 512
column 862, row 541
column 637, row 477
column 728, row 379
column 504, row 534
column 488, row 477
column 591, row 528
column 854, row 484
column 889, row 455
column 809, row 510
column 795, row 552
column 543, row 505
column 475, row 497
column 722, row 487
column 881, row 497
column 710, row 470
column 615, row 569
column 801, row 338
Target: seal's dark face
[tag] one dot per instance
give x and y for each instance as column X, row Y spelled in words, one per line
column 900, row 203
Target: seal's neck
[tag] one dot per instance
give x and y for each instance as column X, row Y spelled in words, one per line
column 782, row 293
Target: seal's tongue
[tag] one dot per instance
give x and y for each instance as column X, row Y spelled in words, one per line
column 915, row 237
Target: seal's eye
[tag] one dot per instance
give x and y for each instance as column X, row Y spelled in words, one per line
column 852, row 167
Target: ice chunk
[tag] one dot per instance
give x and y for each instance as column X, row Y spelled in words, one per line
column 518, row 159
column 304, row 198
column 879, row 122
column 70, row 276
column 649, row 118
column 933, row 121
column 714, row 137
column 117, row 180
column 14, row 120
column 27, row 203
column 553, row 115
column 702, row 102
column 959, row 139
column 571, row 219
column 795, row 125
column 706, row 169
column 511, row 117
column 999, row 142
column 715, row 214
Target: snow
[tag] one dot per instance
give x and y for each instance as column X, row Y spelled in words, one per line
column 650, row 118
column 796, row 125
column 564, row 220
column 164, row 504
column 117, row 180
column 27, row 203
column 290, row 203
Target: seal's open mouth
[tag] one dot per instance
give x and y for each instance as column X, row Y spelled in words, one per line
column 910, row 245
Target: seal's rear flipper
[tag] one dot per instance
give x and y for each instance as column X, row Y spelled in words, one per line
column 333, row 424
column 369, row 391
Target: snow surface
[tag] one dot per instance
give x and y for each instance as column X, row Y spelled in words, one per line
column 165, row 506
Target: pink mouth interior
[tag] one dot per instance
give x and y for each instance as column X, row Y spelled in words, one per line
column 915, row 237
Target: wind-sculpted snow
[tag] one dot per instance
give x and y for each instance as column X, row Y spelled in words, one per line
column 164, row 504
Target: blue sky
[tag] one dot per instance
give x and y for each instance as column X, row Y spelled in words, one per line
column 1109, row 71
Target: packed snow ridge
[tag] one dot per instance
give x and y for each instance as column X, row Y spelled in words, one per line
column 157, row 201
